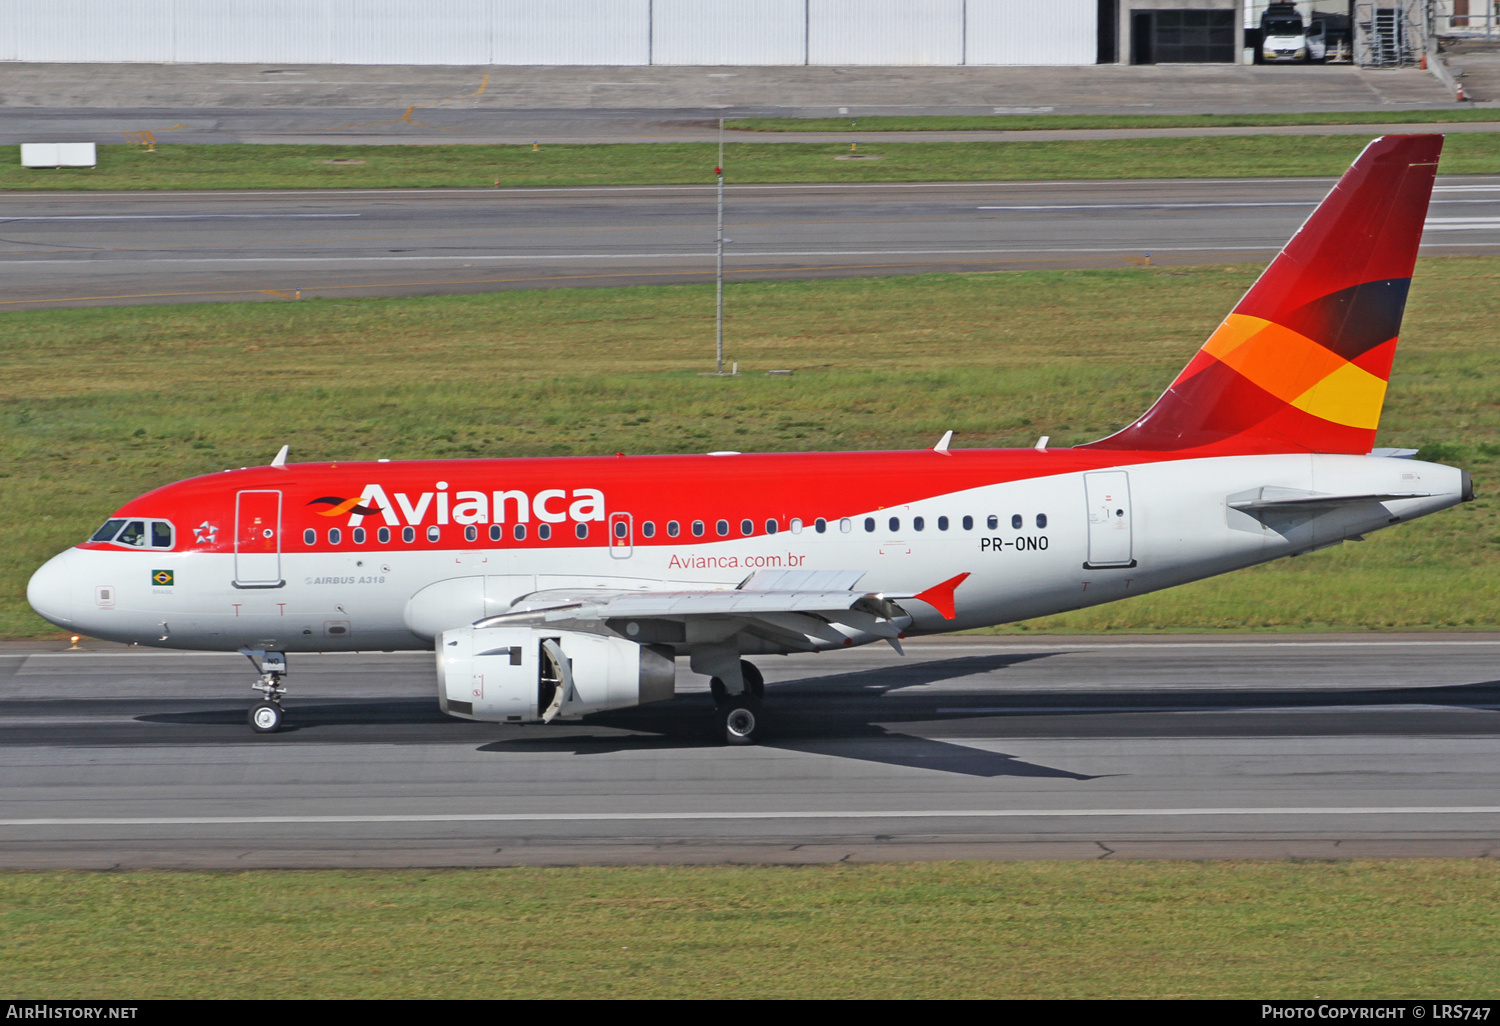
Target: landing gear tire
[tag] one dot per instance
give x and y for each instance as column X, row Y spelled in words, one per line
column 265, row 717
column 755, row 684
column 740, row 721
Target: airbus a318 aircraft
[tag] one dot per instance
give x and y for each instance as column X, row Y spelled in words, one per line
column 553, row 588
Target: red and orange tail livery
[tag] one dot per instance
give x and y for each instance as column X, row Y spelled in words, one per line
column 1301, row 364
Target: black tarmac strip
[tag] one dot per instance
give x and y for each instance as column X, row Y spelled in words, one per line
column 967, row 748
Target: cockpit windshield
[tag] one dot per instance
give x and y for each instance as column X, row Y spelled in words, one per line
column 108, row 531
column 136, row 534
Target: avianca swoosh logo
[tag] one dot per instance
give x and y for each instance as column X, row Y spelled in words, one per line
column 342, row 506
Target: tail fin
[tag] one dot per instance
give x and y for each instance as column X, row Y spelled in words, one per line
column 1301, row 364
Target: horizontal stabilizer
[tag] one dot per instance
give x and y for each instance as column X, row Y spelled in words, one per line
column 1291, row 500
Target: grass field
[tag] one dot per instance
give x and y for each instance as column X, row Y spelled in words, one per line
column 1031, row 122
column 1267, row 930
column 313, row 167
column 100, row 405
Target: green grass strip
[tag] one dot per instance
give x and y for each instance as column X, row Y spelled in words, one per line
column 98, row 405
column 1263, row 930
column 1032, row 122
column 319, row 167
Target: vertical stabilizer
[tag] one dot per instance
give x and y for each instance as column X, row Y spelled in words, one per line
column 1302, row 362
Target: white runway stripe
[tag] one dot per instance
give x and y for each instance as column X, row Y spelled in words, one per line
column 607, row 817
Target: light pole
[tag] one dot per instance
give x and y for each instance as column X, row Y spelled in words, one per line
column 719, row 262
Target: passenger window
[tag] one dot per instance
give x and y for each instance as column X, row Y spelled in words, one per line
column 968, row 523
column 582, row 530
column 408, row 534
column 383, row 536
column 846, row 525
column 108, row 531
column 1041, row 520
column 648, row 529
column 895, row 524
column 992, row 522
column 796, row 525
column 869, row 523
column 620, row 529
column 697, row 529
column 747, row 527
column 544, row 531
column 309, row 537
column 820, row 525
column 496, row 532
column 771, row 526
column 673, row 529
column 359, row 536
column 134, row 534
column 519, row 532
column 721, row 527
column 917, row 523
column 335, row 536
column 1015, row 521
column 471, row 533
column 161, row 534
column 434, row 532
column 942, row 523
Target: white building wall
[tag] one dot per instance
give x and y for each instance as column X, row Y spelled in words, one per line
column 885, row 31
column 1026, row 33
column 251, row 32
column 728, row 32
column 530, row 32
column 88, row 31
column 400, row 32
column 554, row 32
column 7, row 32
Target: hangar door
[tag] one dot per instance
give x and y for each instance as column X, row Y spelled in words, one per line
column 1182, row 37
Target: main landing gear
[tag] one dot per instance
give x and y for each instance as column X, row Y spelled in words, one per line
column 266, row 715
column 739, row 718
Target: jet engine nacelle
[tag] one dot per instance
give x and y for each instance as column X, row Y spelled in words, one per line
column 525, row 674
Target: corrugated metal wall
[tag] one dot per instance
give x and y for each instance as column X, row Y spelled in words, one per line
column 571, row 32
column 1056, row 32
column 885, row 31
column 714, row 32
column 551, row 32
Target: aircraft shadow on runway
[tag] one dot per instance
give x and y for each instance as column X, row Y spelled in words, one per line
column 847, row 715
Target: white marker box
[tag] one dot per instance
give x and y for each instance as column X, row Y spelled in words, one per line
column 58, row 155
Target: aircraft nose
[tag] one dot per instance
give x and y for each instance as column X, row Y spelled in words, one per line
column 50, row 591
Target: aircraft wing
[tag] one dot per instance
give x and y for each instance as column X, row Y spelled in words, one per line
column 795, row 608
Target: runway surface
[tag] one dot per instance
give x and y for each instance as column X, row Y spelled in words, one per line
column 116, row 248
column 967, row 748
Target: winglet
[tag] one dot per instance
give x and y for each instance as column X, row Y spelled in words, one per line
column 942, row 446
column 940, row 596
column 280, row 460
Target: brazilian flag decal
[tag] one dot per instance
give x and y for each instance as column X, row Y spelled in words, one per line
column 162, row 578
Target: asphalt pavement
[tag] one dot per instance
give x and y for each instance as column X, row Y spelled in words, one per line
column 1086, row 747
column 81, row 249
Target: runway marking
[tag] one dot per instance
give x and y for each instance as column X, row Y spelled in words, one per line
column 606, row 817
column 678, row 272
column 174, row 217
column 1462, row 224
column 1197, row 205
column 523, row 257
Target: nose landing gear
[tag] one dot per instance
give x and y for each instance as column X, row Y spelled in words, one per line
column 266, row 716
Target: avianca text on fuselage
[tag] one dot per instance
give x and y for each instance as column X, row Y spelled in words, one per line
column 466, row 506
column 1261, row 447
